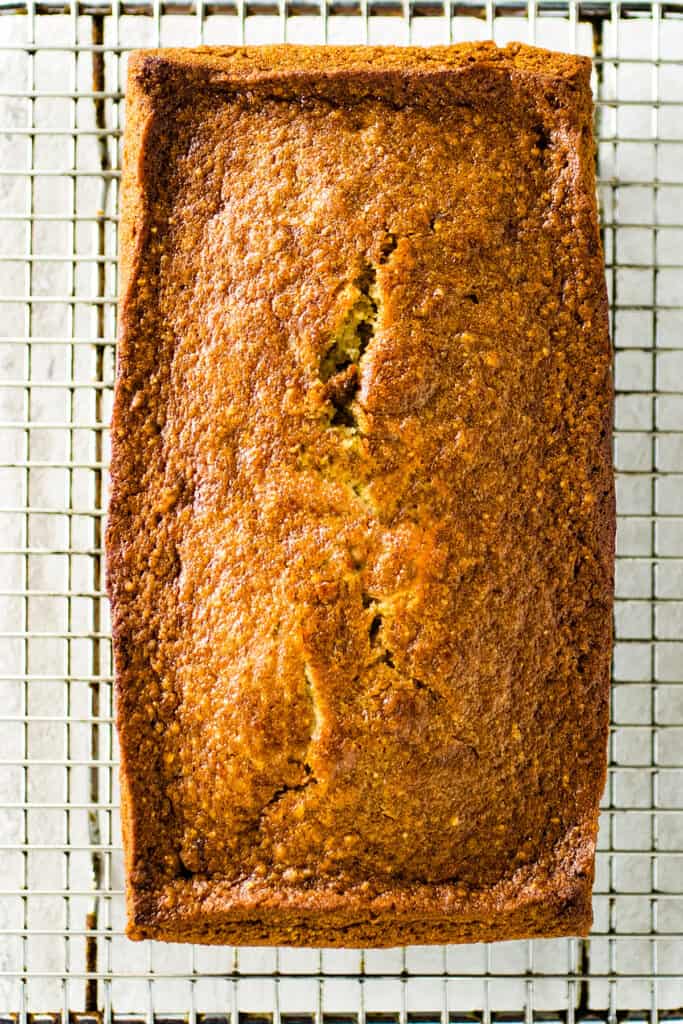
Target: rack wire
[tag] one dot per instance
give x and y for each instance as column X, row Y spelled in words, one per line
column 63, row 952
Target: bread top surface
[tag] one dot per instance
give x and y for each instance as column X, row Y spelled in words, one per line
column 361, row 532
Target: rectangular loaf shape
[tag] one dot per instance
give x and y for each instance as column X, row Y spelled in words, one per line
column 360, row 544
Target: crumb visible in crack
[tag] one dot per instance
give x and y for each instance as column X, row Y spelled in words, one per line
column 385, row 656
column 309, row 775
column 388, row 246
column 340, row 372
column 343, row 417
column 375, row 627
column 349, row 341
column 339, row 365
column 361, row 492
column 357, row 559
column 543, row 140
column 183, row 870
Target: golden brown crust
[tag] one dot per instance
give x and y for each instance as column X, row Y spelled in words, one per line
column 360, row 545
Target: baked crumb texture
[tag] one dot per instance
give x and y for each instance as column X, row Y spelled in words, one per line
column 361, row 531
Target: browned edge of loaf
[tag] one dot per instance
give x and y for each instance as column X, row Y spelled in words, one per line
column 561, row 907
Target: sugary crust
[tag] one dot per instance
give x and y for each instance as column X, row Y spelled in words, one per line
column 361, row 537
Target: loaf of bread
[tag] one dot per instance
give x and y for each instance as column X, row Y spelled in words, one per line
column 360, row 546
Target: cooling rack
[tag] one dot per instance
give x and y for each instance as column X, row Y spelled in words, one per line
column 62, row 949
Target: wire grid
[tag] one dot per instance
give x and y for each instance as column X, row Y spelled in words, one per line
column 61, row 906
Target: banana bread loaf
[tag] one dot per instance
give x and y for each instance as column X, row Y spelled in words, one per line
column 360, row 546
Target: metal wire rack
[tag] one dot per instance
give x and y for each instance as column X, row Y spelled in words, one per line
column 62, row 950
